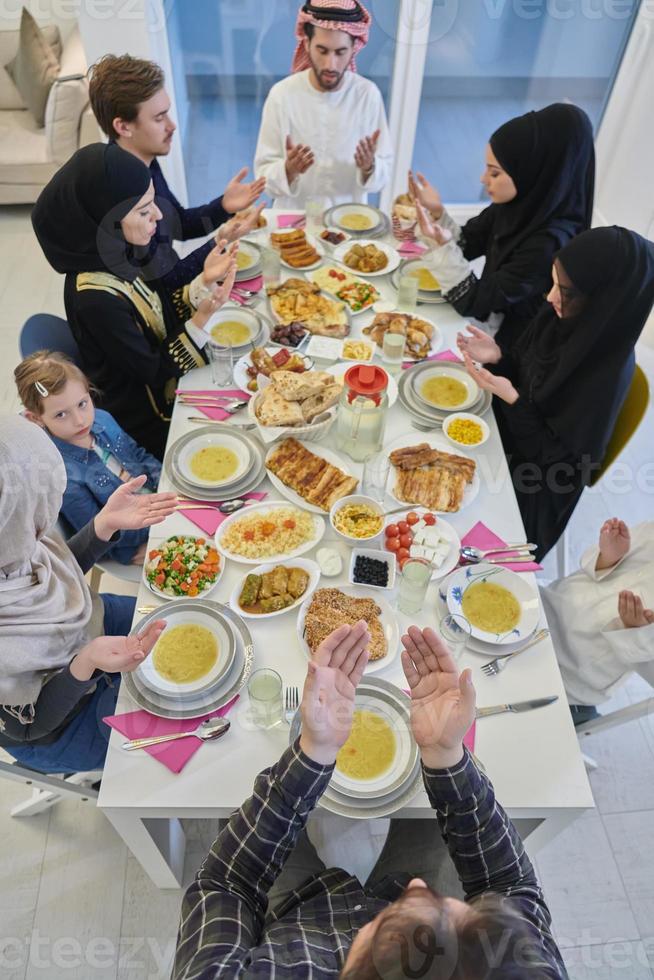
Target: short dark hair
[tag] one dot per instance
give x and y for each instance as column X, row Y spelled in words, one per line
column 492, row 942
column 117, row 87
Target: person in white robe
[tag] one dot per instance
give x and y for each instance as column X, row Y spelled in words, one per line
column 323, row 128
column 602, row 616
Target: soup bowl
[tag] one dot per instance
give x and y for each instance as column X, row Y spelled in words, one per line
column 218, row 440
column 218, row 627
column 443, row 371
column 249, row 321
column 523, row 591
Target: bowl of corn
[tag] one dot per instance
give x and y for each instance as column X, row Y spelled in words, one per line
column 464, row 429
column 357, row 518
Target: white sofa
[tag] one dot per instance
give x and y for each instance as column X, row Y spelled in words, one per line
column 29, row 154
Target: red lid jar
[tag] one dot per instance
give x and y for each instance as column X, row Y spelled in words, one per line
column 366, row 380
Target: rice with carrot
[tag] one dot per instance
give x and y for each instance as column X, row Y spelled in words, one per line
column 267, row 533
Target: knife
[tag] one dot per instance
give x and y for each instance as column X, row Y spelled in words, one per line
column 517, row 706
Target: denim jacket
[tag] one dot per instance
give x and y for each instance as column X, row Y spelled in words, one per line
column 91, row 483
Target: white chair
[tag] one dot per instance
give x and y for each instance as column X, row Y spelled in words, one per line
column 611, row 720
column 48, row 790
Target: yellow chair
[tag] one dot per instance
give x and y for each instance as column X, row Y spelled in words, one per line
column 631, row 415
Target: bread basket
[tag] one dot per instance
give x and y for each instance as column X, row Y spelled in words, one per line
column 275, row 433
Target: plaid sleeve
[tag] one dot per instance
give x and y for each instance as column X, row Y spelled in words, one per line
column 223, row 910
column 487, row 850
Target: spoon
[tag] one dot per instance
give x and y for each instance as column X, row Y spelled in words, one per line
column 207, row 730
column 225, row 507
column 471, row 554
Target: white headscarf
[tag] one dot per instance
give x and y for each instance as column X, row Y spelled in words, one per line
column 45, row 603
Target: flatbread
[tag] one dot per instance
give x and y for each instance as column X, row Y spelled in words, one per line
column 326, row 397
column 296, row 387
column 272, row 409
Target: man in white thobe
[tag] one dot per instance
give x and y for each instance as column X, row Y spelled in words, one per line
column 601, row 617
column 323, row 129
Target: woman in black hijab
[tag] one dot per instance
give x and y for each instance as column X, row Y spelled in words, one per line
column 559, row 391
column 94, row 222
column 540, row 175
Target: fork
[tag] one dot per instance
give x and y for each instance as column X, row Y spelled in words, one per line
column 292, row 703
column 496, row 666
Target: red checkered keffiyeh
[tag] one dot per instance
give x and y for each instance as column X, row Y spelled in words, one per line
column 325, row 13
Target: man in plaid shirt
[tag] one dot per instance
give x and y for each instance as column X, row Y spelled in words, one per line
column 325, row 923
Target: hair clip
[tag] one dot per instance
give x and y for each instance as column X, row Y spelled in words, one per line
column 41, row 388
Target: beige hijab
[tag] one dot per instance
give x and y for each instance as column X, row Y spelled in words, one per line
column 45, row 603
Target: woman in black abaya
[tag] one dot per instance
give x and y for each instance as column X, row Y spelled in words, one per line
column 559, row 391
column 540, row 175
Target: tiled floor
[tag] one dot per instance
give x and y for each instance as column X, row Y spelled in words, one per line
column 74, row 905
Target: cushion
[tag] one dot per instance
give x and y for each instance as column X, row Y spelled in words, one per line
column 10, row 97
column 34, row 68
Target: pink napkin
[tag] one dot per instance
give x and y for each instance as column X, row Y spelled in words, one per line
column 210, row 519
column 253, row 285
column 291, row 221
column 411, row 248
column 482, row 537
column 173, row 755
column 218, row 414
column 444, row 355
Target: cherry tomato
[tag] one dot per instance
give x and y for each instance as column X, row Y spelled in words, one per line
column 429, row 520
column 406, row 540
column 403, row 527
column 412, row 518
column 403, row 563
column 393, row 544
column 402, row 555
column 392, row 531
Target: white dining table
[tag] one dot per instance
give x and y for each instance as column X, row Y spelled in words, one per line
column 533, row 758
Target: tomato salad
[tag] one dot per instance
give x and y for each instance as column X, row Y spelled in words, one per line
column 183, row 566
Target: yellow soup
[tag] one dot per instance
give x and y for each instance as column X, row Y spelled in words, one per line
column 185, row 653
column 491, row 607
column 214, row 463
column 243, row 260
column 426, row 279
column 232, row 332
column 444, row 391
column 356, row 222
column 369, row 750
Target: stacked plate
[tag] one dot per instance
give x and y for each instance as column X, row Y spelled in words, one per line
column 252, row 329
column 414, row 265
column 362, row 799
column 377, row 224
column 249, row 260
column 248, row 451
column 151, row 691
column 409, row 390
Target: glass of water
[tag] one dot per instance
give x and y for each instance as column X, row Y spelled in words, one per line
column 265, row 691
column 221, row 360
column 407, row 293
column 315, row 209
column 393, row 351
column 414, row 582
column 270, row 267
column 456, row 631
column 375, row 476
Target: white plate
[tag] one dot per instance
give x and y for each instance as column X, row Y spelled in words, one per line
column 409, row 265
column 436, row 340
column 339, row 373
column 436, row 441
column 260, row 509
column 473, row 644
column 241, row 376
column 323, row 453
column 387, row 619
column 174, row 616
column 305, row 563
column 248, row 318
column 334, row 285
column 391, row 254
column 222, row 439
column 153, row 546
column 253, row 252
column 320, row 249
column 524, row 592
column 452, row 559
column 337, row 214
column 445, row 371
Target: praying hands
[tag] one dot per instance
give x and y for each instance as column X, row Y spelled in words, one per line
column 364, row 155
column 614, row 543
column 237, row 196
column 298, row 159
column 499, row 386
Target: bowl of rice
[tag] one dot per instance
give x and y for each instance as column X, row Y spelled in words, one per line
column 357, row 518
column 264, row 532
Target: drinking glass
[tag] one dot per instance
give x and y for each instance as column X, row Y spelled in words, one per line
column 456, row 631
column 265, row 691
column 270, row 267
column 375, row 476
column 221, row 360
column 407, row 293
column 414, row 581
column 315, row 209
column 393, row 351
